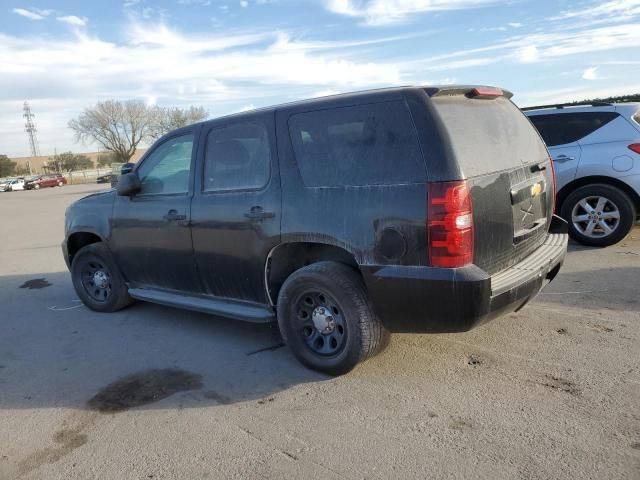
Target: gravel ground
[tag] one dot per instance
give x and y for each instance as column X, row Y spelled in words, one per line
column 153, row 393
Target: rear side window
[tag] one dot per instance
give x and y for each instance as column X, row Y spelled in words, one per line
column 636, row 118
column 562, row 128
column 237, row 158
column 373, row 144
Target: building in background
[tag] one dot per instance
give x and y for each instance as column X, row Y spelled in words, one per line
column 45, row 164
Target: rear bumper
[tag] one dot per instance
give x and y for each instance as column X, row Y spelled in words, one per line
column 439, row 300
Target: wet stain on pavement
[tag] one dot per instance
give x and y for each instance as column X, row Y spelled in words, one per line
column 143, row 388
column 66, row 439
column 36, row 284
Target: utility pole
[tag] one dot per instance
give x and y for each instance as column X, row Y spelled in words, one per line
column 31, row 130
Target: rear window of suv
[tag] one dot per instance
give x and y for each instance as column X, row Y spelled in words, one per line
column 373, row 144
column 562, row 128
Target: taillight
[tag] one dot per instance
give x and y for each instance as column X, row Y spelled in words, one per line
column 485, row 92
column 634, row 147
column 450, row 224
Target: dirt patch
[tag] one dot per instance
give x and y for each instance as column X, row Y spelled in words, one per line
column 562, row 331
column 67, row 440
column 474, row 360
column 143, row 388
column 459, row 423
column 562, row 384
column 599, row 328
column 36, row 284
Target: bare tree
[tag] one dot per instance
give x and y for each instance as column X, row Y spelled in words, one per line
column 168, row 119
column 68, row 161
column 118, row 126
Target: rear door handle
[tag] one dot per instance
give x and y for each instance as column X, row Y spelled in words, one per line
column 257, row 213
column 563, row 158
column 172, row 216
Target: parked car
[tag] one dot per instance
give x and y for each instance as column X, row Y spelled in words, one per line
column 14, row 185
column 106, row 178
column 46, row 181
column 3, row 183
column 596, row 151
column 346, row 217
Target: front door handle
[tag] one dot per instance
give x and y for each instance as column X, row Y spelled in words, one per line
column 563, row 158
column 257, row 213
column 172, row 216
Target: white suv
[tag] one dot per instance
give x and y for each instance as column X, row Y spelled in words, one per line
column 596, row 154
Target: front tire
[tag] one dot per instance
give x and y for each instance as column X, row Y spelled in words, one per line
column 97, row 279
column 326, row 319
column 598, row 215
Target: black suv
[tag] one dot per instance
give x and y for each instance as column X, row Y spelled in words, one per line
column 347, row 217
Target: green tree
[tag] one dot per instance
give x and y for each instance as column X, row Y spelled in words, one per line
column 69, row 162
column 7, row 167
column 632, row 97
column 106, row 159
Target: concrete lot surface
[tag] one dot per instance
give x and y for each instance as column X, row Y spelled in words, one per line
column 156, row 393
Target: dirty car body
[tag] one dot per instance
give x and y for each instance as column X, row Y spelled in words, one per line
column 431, row 208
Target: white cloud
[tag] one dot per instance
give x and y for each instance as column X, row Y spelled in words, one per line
column 590, row 74
column 245, row 108
column 164, row 66
column 617, row 9
column 30, row 14
column 528, row 54
column 244, row 3
column 73, row 20
column 514, row 24
column 382, row 12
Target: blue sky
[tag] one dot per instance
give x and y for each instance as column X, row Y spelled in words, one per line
column 234, row 55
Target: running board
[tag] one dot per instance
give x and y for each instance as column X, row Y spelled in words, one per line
column 226, row 308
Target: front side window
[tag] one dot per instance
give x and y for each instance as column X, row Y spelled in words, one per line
column 167, row 169
column 238, row 157
column 563, row 128
column 374, row 144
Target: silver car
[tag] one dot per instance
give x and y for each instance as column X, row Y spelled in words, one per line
column 596, row 154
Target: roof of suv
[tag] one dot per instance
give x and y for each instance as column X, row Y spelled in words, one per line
column 630, row 108
column 431, row 90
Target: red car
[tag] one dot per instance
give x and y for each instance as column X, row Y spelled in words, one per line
column 45, row 181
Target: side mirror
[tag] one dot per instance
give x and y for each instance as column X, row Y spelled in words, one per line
column 127, row 168
column 128, row 185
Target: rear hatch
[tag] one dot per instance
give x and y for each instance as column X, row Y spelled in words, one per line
column 507, row 168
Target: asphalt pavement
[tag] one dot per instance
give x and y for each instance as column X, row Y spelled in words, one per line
column 151, row 392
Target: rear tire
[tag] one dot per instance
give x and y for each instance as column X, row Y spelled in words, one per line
column 97, row 279
column 326, row 319
column 598, row 215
